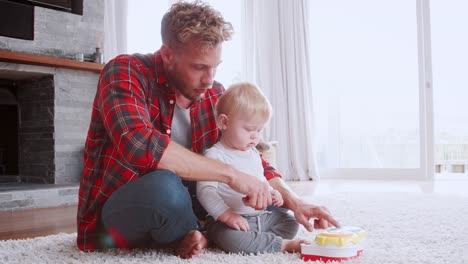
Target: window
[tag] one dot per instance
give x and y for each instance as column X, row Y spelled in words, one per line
column 449, row 57
column 371, row 95
column 364, row 76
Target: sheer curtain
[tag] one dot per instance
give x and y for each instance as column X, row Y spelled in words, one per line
column 115, row 28
column 276, row 43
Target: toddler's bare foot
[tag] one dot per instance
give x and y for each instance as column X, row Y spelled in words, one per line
column 293, row 245
column 191, row 245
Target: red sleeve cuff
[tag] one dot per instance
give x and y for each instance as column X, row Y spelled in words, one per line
column 269, row 171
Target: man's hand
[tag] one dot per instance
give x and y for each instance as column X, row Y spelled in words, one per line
column 277, row 199
column 234, row 221
column 257, row 193
column 322, row 217
column 303, row 211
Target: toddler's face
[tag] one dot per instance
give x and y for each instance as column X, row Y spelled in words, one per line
column 243, row 132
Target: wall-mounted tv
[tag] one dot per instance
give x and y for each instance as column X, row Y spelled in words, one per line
column 70, row 6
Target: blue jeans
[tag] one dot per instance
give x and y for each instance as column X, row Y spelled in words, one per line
column 155, row 209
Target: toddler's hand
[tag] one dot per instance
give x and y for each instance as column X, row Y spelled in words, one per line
column 234, row 221
column 276, row 198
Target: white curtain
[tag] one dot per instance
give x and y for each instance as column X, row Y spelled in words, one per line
column 276, row 43
column 115, row 28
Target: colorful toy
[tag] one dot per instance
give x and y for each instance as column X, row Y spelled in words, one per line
column 335, row 244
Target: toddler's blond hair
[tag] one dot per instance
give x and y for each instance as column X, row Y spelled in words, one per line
column 244, row 98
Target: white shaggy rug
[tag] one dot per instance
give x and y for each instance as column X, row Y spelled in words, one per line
column 403, row 228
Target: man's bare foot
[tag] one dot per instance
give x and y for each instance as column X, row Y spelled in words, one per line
column 292, row 245
column 191, row 245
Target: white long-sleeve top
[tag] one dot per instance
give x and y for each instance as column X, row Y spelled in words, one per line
column 217, row 197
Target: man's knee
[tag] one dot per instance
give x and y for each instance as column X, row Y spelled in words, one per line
column 169, row 194
column 152, row 188
column 157, row 203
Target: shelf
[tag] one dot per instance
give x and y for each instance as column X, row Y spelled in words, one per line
column 24, row 58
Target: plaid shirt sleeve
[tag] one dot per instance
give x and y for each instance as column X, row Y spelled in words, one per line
column 269, row 171
column 124, row 112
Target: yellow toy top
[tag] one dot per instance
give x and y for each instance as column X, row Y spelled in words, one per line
column 341, row 236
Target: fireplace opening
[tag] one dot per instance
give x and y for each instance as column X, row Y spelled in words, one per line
column 8, row 133
column 27, row 134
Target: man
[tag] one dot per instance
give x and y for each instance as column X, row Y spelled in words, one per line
column 152, row 114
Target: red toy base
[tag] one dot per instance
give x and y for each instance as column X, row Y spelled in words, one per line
column 306, row 257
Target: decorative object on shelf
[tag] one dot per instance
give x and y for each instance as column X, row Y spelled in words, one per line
column 98, row 56
column 79, row 57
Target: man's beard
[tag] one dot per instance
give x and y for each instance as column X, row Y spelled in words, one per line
column 179, row 84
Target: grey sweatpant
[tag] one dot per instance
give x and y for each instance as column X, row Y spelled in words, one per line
column 266, row 234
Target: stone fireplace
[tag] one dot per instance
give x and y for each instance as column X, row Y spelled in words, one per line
column 45, row 106
column 47, row 112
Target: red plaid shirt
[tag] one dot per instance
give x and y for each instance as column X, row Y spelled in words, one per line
column 129, row 132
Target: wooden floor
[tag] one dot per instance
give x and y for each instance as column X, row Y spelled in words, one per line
column 37, row 222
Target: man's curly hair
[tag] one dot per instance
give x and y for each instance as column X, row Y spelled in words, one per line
column 186, row 22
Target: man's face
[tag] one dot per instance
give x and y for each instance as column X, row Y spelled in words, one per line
column 191, row 70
